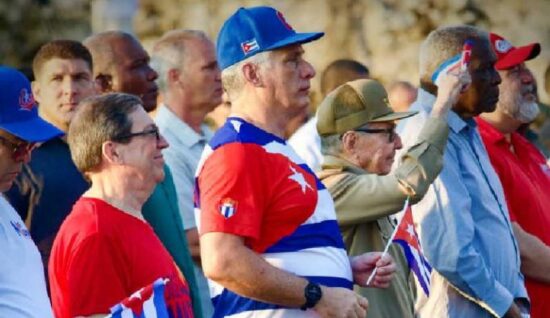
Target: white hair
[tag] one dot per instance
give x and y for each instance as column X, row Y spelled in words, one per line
column 332, row 145
column 169, row 52
column 232, row 77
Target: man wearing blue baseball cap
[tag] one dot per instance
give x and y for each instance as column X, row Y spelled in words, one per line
column 270, row 243
column 23, row 291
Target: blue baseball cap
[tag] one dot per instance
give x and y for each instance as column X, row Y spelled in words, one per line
column 250, row 31
column 18, row 112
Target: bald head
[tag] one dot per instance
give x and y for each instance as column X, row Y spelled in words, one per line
column 340, row 72
column 444, row 43
column 401, row 95
column 100, row 46
column 122, row 65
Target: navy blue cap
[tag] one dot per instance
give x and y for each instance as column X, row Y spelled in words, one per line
column 18, row 112
column 250, row 31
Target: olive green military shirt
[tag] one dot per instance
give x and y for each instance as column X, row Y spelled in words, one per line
column 365, row 202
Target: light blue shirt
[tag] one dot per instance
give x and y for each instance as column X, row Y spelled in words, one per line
column 464, row 227
column 182, row 156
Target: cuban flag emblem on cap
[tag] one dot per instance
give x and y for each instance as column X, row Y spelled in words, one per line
column 250, row 46
column 228, row 207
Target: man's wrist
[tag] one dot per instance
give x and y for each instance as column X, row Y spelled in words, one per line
column 313, row 294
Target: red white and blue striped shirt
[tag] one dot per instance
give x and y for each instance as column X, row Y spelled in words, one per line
column 252, row 184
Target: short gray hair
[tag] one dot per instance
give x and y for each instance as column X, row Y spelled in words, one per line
column 232, row 77
column 332, row 145
column 444, row 43
column 170, row 51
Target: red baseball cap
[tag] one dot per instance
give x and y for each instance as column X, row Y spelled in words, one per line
column 508, row 55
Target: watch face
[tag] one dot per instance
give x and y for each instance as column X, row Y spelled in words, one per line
column 314, row 290
column 313, row 294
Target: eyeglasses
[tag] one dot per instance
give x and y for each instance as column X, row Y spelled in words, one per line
column 390, row 131
column 154, row 131
column 19, row 150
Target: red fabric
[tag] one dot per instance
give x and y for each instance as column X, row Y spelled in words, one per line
column 258, row 186
column 102, row 255
column 525, row 177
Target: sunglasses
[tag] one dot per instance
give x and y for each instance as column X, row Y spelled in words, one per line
column 390, row 131
column 154, row 131
column 19, row 150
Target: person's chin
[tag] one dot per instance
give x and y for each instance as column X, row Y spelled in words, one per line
column 5, row 185
column 159, row 177
column 149, row 101
column 490, row 107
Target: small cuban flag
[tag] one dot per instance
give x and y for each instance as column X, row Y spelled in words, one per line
column 147, row 302
column 446, row 67
column 250, row 46
column 405, row 235
column 461, row 61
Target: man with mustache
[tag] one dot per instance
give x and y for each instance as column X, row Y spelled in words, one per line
column 21, row 272
column 191, row 87
column 463, row 220
column 122, row 65
column 50, row 183
column 521, row 167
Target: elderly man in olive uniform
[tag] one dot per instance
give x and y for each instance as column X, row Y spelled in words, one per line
column 359, row 142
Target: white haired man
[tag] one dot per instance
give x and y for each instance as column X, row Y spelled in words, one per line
column 463, row 221
column 521, row 167
column 191, row 87
column 270, row 242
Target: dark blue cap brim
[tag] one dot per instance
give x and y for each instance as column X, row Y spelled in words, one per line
column 298, row 38
column 32, row 130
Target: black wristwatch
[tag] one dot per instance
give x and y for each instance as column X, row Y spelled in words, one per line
column 313, row 294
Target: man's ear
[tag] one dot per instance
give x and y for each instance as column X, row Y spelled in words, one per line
column 104, row 83
column 348, row 142
column 111, row 153
column 36, row 91
column 173, row 75
column 252, row 74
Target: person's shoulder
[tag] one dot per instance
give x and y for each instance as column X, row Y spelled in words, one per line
column 89, row 216
column 45, row 152
column 79, row 226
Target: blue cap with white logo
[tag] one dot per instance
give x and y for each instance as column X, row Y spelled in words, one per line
column 250, row 31
column 18, row 112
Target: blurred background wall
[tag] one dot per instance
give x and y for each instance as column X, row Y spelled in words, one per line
column 383, row 34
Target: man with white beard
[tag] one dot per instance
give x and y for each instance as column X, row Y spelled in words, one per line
column 521, row 167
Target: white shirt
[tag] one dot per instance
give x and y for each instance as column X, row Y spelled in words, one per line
column 307, row 143
column 22, row 284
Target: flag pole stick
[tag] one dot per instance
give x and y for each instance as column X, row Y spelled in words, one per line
column 388, row 244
